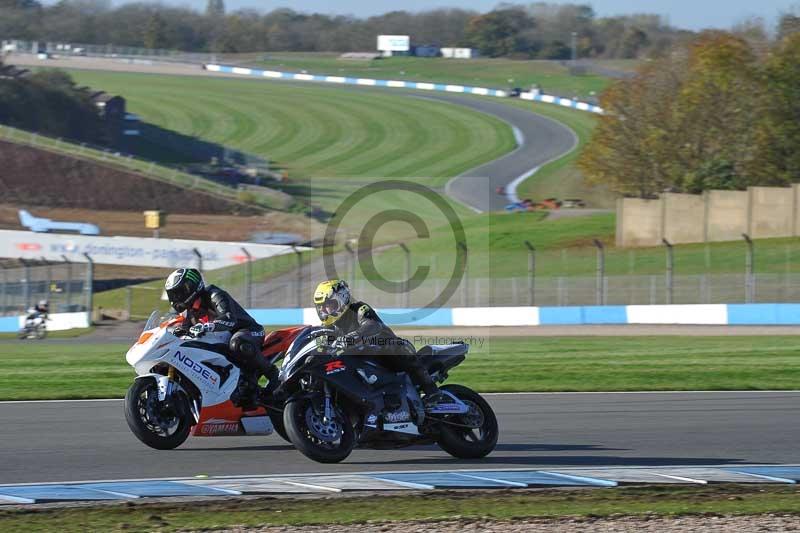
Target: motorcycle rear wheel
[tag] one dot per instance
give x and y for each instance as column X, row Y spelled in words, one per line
column 307, row 439
column 467, row 443
column 141, row 401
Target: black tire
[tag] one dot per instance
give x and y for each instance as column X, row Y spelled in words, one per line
column 276, row 417
column 23, row 334
column 41, row 332
column 145, row 430
column 464, row 443
column 294, row 418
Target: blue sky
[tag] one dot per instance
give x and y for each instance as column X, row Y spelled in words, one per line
column 692, row 14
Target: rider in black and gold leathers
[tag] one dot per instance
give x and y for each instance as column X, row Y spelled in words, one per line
column 359, row 328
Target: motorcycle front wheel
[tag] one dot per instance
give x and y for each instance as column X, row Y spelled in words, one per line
column 41, row 332
column 160, row 425
column 324, row 441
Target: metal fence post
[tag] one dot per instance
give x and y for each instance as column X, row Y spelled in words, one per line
column 749, row 281
column 531, row 273
column 89, row 289
column 199, row 259
column 353, row 259
column 299, row 291
column 670, row 268
column 69, row 282
column 248, row 278
column 49, row 285
column 27, row 280
column 465, row 281
column 129, row 301
column 407, row 288
column 4, row 294
column 601, row 272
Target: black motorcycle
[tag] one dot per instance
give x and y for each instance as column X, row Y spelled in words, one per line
column 335, row 402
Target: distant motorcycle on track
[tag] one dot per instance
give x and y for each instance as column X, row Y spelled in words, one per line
column 35, row 327
column 187, row 386
column 335, row 402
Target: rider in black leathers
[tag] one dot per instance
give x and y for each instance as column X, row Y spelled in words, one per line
column 187, row 292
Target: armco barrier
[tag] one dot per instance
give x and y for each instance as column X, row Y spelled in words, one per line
column 400, row 84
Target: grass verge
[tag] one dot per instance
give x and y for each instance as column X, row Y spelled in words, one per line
column 67, row 370
column 429, row 507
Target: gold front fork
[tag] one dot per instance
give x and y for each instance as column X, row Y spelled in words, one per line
column 171, row 373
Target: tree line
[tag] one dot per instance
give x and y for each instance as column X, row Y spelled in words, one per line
column 721, row 112
column 539, row 30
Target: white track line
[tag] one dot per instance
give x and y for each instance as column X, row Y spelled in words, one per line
column 681, row 478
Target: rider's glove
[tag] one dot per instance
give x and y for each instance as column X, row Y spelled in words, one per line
column 344, row 341
column 198, row 330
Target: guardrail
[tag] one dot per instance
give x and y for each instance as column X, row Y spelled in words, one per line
column 399, row 84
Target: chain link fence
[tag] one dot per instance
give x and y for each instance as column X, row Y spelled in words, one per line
column 574, row 277
column 67, row 286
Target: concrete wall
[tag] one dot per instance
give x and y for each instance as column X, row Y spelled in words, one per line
column 760, row 212
column 727, row 215
column 771, row 211
column 682, row 217
column 638, row 222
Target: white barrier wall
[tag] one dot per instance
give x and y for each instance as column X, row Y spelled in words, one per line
column 63, row 321
column 139, row 251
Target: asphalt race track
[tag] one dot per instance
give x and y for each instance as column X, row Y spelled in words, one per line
column 89, row 440
column 543, row 139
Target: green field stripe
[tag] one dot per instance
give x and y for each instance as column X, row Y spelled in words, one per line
column 352, row 119
column 455, row 138
column 315, row 131
column 407, row 134
column 276, row 125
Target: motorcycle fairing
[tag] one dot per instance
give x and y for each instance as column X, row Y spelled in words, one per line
column 342, row 372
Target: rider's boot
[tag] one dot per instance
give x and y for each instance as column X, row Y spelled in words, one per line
column 246, row 394
column 420, row 376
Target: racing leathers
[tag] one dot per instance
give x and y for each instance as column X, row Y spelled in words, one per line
column 361, row 331
column 36, row 315
column 225, row 315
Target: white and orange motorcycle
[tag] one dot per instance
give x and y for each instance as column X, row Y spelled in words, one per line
column 185, row 386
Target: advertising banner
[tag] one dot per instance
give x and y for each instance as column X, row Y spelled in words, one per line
column 132, row 251
column 394, row 43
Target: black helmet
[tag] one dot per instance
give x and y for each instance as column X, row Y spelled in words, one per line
column 183, row 286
